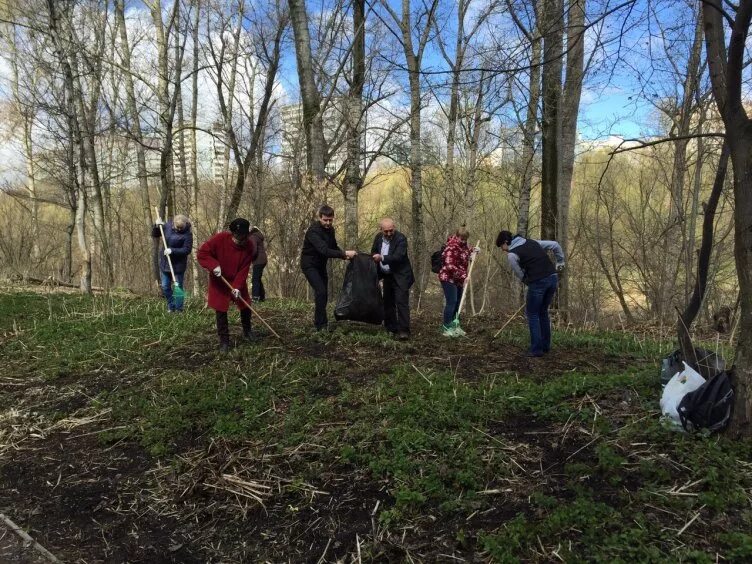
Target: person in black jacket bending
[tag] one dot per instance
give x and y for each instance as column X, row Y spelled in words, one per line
column 390, row 254
column 320, row 245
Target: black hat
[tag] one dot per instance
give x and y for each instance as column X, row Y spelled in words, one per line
column 240, row 226
column 504, row 237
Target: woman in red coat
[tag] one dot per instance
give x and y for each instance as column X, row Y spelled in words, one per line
column 229, row 255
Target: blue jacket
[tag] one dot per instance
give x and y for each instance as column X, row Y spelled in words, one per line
column 181, row 244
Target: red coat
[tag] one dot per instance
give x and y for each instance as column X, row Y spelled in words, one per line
column 235, row 262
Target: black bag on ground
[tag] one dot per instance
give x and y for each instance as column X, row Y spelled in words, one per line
column 437, row 260
column 361, row 299
column 709, row 363
column 709, row 406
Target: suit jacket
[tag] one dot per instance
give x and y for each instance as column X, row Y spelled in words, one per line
column 397, row 260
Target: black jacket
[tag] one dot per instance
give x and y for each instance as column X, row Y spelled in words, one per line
column 534, row 261
column 397, row 260
column 319, row 245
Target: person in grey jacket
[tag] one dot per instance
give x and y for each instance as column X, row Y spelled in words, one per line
column 530, row 263
column 259, row 262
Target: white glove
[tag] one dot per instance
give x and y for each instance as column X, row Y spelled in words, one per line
column 217, row 271
column 235, row 293
column 167, row 252
column 560, row 267
column 159, row 222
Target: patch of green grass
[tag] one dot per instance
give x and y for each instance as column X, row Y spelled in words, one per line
column 267, row 401
column 602, row 493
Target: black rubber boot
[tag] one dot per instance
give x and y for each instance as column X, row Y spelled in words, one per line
column 245, row 320
column 223, row 331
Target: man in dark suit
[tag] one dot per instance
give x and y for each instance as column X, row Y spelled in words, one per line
column 320, row 245
column 390, row 254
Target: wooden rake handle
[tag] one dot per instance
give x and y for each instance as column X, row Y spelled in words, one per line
column 467, row 281
column 253, row 311
column 516, row 313
column 164, row 242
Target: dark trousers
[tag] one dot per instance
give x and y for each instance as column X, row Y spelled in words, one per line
column 540, row 294
column 452, row 297
column 319, row 281
column 396, row 306
column 257, row 286
column 223, row 326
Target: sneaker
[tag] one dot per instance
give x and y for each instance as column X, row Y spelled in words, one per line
column 459, row 332
column 447, row 331
column 403, row 336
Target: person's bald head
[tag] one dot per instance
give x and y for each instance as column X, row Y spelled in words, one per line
column 387, row 227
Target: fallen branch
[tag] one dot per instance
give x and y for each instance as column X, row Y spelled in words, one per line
column 30, row 541
column 516, row 313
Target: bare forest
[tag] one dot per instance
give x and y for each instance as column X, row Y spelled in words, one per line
column 620, row 129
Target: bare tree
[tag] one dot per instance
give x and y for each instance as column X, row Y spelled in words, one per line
column 570, row 111
column 552, row 28
column 134, row 122
column 313, row 124
column 269, row 33
column 726, row 63
column 355, row 117
column 421, row 23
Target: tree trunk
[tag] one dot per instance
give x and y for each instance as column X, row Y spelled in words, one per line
column 570, row 109
column 167, row 105
column 75, row 151
column 528, row 137
column 247, row 162
column 703, row 260
column 227, row 215
column 454, row 98
column 726, row 67
column 353, row 176
column 135, row 126
column 553, row 17
column 672, row 239
column 193, row 205
column 313, row 123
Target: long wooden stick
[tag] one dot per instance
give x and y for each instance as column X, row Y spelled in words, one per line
column 253, row 311
column 25, row 536
column 467, row 280
column 164, row 241
column 516, row 313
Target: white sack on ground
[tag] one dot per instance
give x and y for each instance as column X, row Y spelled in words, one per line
column 688, row 380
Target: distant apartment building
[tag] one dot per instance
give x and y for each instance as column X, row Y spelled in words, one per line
column 218, row 153
column 293, row 146
column 181, row 150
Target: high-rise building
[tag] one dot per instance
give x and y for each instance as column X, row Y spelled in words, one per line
column 218, row 149
column 293, row 135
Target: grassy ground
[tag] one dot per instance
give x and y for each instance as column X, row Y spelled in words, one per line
column 125, row 436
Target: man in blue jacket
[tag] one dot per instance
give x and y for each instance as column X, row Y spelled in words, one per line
column 530, row 263
column 179, row 245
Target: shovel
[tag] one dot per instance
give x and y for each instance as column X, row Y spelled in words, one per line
column 177, row 292
column 456, row 323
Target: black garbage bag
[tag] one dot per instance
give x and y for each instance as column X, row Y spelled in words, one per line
column 361, row 299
